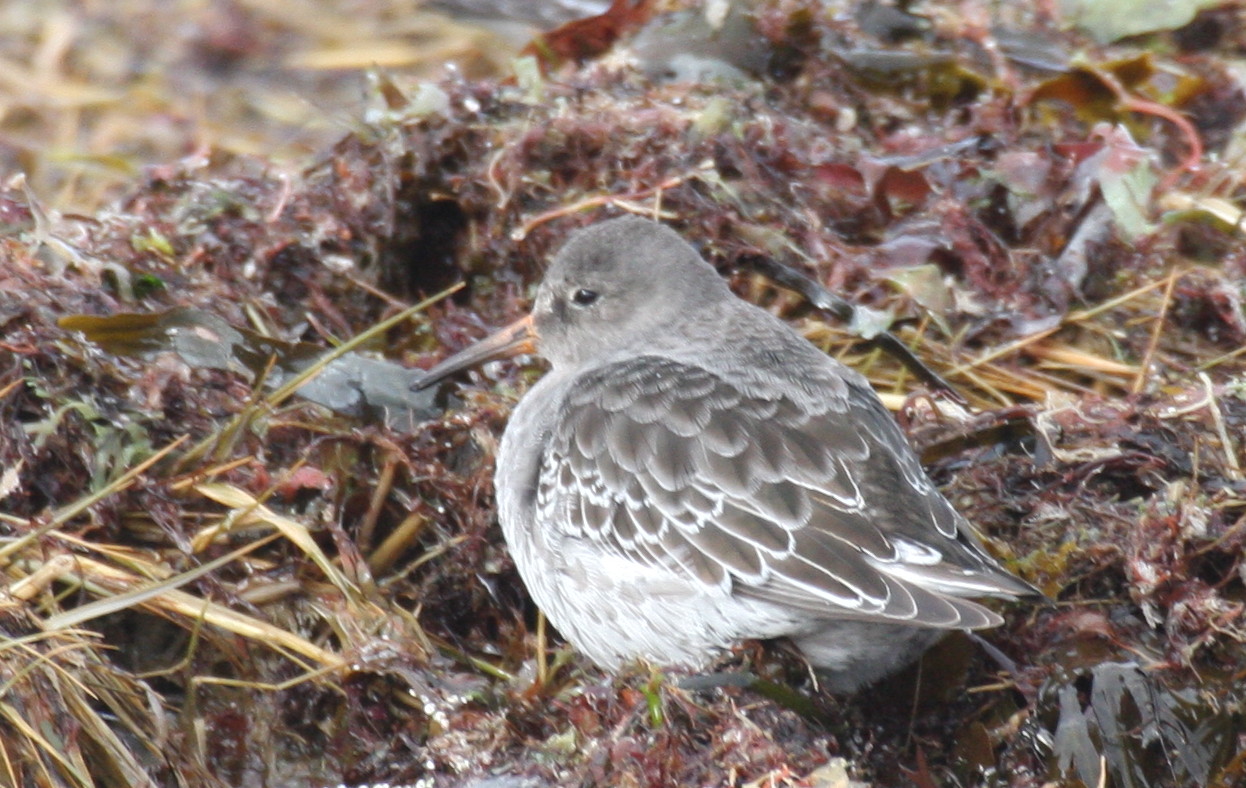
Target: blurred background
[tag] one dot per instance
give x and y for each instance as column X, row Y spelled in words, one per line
column 92, row 92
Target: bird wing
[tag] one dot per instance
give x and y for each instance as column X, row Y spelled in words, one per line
column 820, row 506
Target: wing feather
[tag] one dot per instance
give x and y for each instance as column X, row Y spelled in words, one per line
column 816, row 505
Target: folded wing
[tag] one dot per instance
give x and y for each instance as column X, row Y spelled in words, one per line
column 818, row 505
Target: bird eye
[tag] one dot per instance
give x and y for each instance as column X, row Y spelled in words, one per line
column 583, row 297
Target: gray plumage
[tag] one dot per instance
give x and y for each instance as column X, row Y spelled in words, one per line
column 692, row 473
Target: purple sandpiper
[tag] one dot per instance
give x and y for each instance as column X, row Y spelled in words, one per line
column 692, row 473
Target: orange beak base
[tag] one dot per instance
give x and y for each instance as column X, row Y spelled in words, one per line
column 518, row 337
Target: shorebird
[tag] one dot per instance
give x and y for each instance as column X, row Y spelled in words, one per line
column 692, row 473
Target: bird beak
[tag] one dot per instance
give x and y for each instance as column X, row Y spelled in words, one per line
column 518, row 337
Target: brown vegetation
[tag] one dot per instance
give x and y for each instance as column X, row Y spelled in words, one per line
column 211, row 576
